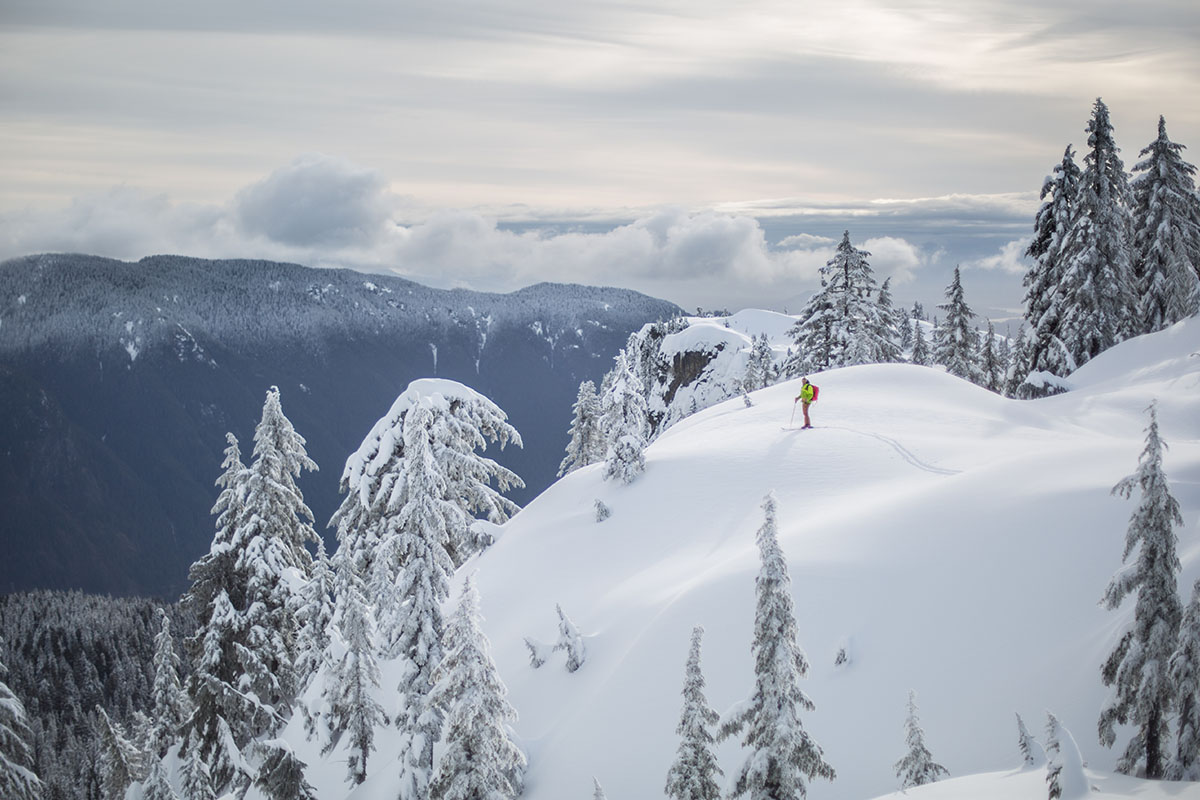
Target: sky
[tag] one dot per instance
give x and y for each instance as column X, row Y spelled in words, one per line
column 710, row 153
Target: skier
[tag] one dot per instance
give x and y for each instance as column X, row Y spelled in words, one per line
column 808, row 396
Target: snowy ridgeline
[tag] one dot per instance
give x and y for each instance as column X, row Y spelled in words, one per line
column 86, row 302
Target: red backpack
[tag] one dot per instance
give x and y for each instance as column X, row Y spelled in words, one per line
column 816, row 391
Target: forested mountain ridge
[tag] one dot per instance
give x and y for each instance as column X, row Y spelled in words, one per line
column 120, row 380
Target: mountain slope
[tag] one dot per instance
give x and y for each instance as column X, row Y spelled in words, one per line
column 953, row 542
column 119, row 380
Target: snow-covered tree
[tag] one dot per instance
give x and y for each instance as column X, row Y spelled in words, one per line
column 1097, row 283
column 195, row 778
column 760, row 364
column 587, row 441
column 351, row 710
column 281, row 776
column 1137, row 669
column 991, row 366
column 603, row 512
column 598, row 790
column 782, row 754
column 693, row 774
column 314, row 616
column 570, row 641
column 887, row 332
column 121, row 762
column 169, row 701
column 480, row 757
column 624, row 424
column 1065, row 777
column 842, row 324
column 1044, row 295
column 1032, row 753
column 17, row 778
column 157, row 785
column 917, row 768
column 956, row 338
column 462, row 422
column 1185, row 674
column 920, row 348
column 1166, row 236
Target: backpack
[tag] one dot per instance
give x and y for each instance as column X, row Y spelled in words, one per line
column 816, row 391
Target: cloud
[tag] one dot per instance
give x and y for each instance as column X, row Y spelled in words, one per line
column 1011, row 259
column 806, row 241
column 316, row 201
column 895, row 257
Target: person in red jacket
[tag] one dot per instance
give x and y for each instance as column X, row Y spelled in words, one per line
column 806, row 397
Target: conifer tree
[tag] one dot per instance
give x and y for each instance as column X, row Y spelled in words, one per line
column 480, row 757
column 598, row 790
column 887, row 332
column 842, row 324
column 1018, row 365
column 917, row 768
column 1137, row 669
column 18, row 781
column 352, row 710
column 782, row 754
column 1044, row 296
column 570, row 641
column 920, row 348
column 170, row 703
column 955, row 347
column 281, row 776
column 122, row 763
column 1031, row 752
column 760, row 364
column 693, row 775
column 195, row 778
column 315, row 616
column 1185, row 675
column 1099, row 298
column 586, row 445
column 991, row 369
column 1166, row 236
column 157, row 786
column 625, row 424
column 1065, row 777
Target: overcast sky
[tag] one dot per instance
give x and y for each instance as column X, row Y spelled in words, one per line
column 706, row 152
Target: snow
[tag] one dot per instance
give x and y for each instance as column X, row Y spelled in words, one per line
column 958, row 540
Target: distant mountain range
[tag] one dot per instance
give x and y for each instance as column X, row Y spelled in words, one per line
column 119, row 380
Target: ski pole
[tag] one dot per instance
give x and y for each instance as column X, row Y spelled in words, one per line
column 792, row 421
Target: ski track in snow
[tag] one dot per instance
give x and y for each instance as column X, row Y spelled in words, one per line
column 904, row 452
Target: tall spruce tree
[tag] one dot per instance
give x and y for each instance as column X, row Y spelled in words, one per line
column 1185, row 674
column 314, row 616
column 169, row 702
column 991, row 368
column 122, row 764
column 18, row 781
column 843, row 323
column 1032, row 753
column 917, row 768
column 1099, row 298
column 624, row 423
column 1065, row 778
column 887, row 332
column 955, row 347
column 693, row 775
column 1044, row 292
column 1137, row 669
column 352, row 711
column 1166, row 235
column 920, row 348
column 586, row 445
column 480, row 757
column 782, row 754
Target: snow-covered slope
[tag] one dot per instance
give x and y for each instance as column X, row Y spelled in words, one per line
column 952, row 542
column 955, row 542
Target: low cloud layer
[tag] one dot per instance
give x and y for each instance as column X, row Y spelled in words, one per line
column 326, row 211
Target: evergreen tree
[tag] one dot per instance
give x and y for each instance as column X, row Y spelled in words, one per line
column 281, row 776
column 1045, row 296
column 991, row 370
column 1031, row 752
column 1097, row 281
column 955, row 342
column 1018, row 365
column 18, row 781
column 570, row 641
column 315, row 616
column 1064, row 765
column 887, row 333
column 624, row 424
column 1137, row 669
column 195, row 778
column 917, row 768
column 480, row 758
column 1166, row 236
column 122, row 763
column 920, row 348
column 598, row 790
column 157, row 786
column 1185, row 675
column 587, row 443
column 169, row 701
column 782, row 752
column 693, row 775
column 760, row 364
column 349, row 694
column 843, row 323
